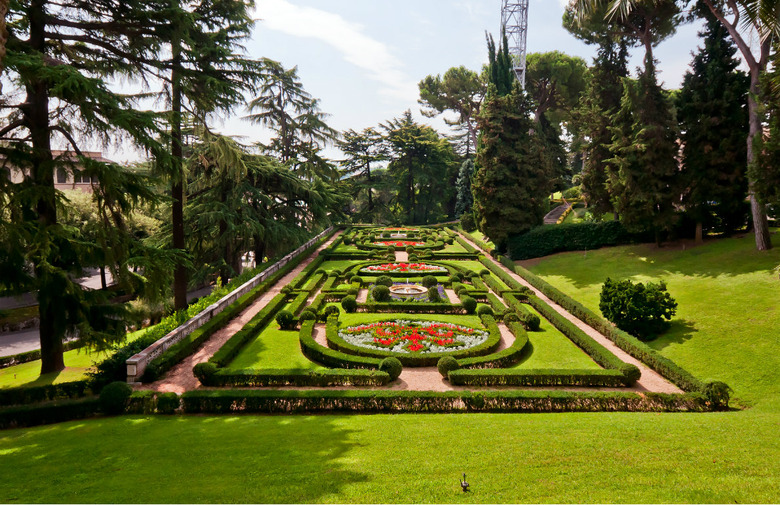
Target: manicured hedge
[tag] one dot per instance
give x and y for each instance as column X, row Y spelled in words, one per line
column 537, row 378
column 301, row 378
column 330, row 357
column 382, row 401
column 431, row 359
column 47, row 413
column 501, row 359
column 411, row 307
column 545, row 240
column 501, row 274
column 529, row 319
column 34, row 394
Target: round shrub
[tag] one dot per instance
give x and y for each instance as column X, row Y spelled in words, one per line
column 334, row 273
column 204, row 372
column 462, row 293
column 469, row 304
column 484, row 272
column 639, row 309
column 392, row 366
column 167, row 403
column 349, row 303
column 429, row 281
column 631, row 372
column 308, row 314
column 321, row 271
column 390, row 250
column 113, row 398
column 446, row 365
column 414, row 257
column 485, row 310
column 285, row 319
column 384, row 280
column 433, row 294
column 347, row 241
column 287, row 289
column 381, row 293
column 511, row 317
column 356, row 279
column 353, row 292
column 532, row 322
column 456, row 277
column 330, row 310
column 386, row 234
column 410, row 249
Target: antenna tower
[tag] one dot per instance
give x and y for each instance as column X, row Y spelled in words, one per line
column 514, row 21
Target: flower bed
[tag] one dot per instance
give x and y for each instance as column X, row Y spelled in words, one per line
column 403, row 268
column 399, row 243
column 414, row 337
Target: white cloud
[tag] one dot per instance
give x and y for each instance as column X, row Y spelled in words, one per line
column 348, row 38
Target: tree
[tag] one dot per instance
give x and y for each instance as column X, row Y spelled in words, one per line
column 464, row 200
column 499, row 68
column 513, row 176
column 422, row 164
column 555, row 80
column 712, row 112
column 461, row 91
column 57, row 59
column 361, row 150
column 638, row 309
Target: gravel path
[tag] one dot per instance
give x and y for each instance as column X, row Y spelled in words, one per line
column 401, row 257
column 650, row 380
column 180, row 378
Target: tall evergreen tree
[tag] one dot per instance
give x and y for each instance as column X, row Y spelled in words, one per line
column 465, row 199
column 362, row 149
column 499, row 68
column 712, row 112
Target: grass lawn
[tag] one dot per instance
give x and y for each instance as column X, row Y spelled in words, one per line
column 273, row 348
column 552, row 349
column 354, row 319
column 727, row 322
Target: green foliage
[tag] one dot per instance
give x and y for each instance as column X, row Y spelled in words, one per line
column 433, row 294
column 308, row 314
column 204, row 372
column 637, row 308
column 384, row 280
column 356, row 279
column 430, row 281
column 446, row 365
column 464, row 200
column 113, row 397
column 167, row 403
column 381, row 293
column 538, row 378
column 285, row 319
column 300, row 378
column 484, row 310
column 469, row 304
column 392, row 366
column 349, row 304
column 467, row 222
column 546, row 240
column 499, row 69
column 330, row 310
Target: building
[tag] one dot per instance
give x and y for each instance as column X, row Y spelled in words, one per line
column 66, row 178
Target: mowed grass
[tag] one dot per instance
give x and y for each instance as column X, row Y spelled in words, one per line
column 273, row 348
column 727, row 325
column 600, row 457
column 549, row 348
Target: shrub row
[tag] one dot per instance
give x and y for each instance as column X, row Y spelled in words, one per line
column 430, row 359
column 301, row 378
column 26, row 357
column 411, row 307
column 330, row 357
column 502, row 359
column 530, row 320
column 494, row 285
column 481, row 244
column 537, row 378
column 501, row 274
column 49, row 392
column 47, row 413
column 298, row 303
column 545, row 240
column 264, row 401
column 649, row 356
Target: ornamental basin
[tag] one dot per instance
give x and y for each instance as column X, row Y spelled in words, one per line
column 407, row 290
column 398, row 235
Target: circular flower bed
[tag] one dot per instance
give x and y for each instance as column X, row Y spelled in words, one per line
column 413, row 337
column 403, row 268
column 399, row 243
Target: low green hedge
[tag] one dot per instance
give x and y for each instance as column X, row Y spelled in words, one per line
column 501, row 359
column 411, row 307
column 330, row 357
column 501, row 274
column 537, row 378
column 545, row 240
column 301, row 378
column 385, row 401
column 641, row 351
column 34, row 394
column 430, row 359
column 529, row 319
column 47, row 413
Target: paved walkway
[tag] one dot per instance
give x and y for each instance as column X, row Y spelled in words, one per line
column 650, row 380
column 555, row 214
column 180, row 378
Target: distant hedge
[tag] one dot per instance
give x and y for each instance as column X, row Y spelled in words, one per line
column 545, row 240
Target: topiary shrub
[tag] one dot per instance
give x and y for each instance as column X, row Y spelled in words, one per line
column 414, row 258
column 392, row 366
column 456, row 277
column 113, row 397
column 353, row 292
column 631, row 372
column 386, row 234
column 532, row 322
column 167, row 403
column 469, row 304
column 462, row 292
column 433, row 294
column 484, row 272
column 446, row 365
column 308, row 314
column 347, row 241
column 356, row 279
column 349, row 304
column 484, row 310
column 204, row 372
column 286, row 320
column 287, row 289
column 467, row 222
column 511, row 317
column 638, row 309
column 381, row 293
column 321, row 271
column 384, row 280
column 329, row 311
column 429, row 281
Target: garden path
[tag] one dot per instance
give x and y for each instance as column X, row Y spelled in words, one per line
column 181, row 379
column 401, row 257
column 650, row 379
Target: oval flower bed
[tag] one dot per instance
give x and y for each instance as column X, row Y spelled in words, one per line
column 399, row 243
column 414, row 337
column 403, row 268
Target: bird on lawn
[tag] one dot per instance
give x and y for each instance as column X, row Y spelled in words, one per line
column 464, row 484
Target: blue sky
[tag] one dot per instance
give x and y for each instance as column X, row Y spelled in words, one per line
column 364, row 58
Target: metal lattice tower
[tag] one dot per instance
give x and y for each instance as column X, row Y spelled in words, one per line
column 514, row 20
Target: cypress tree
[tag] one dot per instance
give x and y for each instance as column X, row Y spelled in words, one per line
column 712, row 113
column 465, row 200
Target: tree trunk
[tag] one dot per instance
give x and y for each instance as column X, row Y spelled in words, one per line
column 103, row 284
column 36, row 114
column 760, row 222
column 699, row 232
column 370, row 196
column 259, row 251
column 177, row 176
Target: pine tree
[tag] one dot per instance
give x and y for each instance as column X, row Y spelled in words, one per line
column 362, row 149
column 712, row 112
column 465, row 200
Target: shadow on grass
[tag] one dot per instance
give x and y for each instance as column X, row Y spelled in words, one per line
column 680, row 331
column 187, row 459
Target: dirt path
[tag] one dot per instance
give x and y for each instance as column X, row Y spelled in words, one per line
column 180, row 378
column 401, row 257
column 650, row 380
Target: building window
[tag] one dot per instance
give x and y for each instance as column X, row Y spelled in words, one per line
column 62, row 176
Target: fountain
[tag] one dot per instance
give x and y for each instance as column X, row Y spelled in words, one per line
column 407, row 290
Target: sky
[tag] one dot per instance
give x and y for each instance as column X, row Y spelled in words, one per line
column 364, row 58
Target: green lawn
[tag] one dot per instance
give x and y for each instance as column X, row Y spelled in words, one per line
column 726, row 326
column 273, row 348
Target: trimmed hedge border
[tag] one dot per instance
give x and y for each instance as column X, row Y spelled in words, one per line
column 34, row 394
column 47, row 413
column 508, row 357
column 537, row 378
column 297, row 377
column 329, row 357
column 294, row 401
